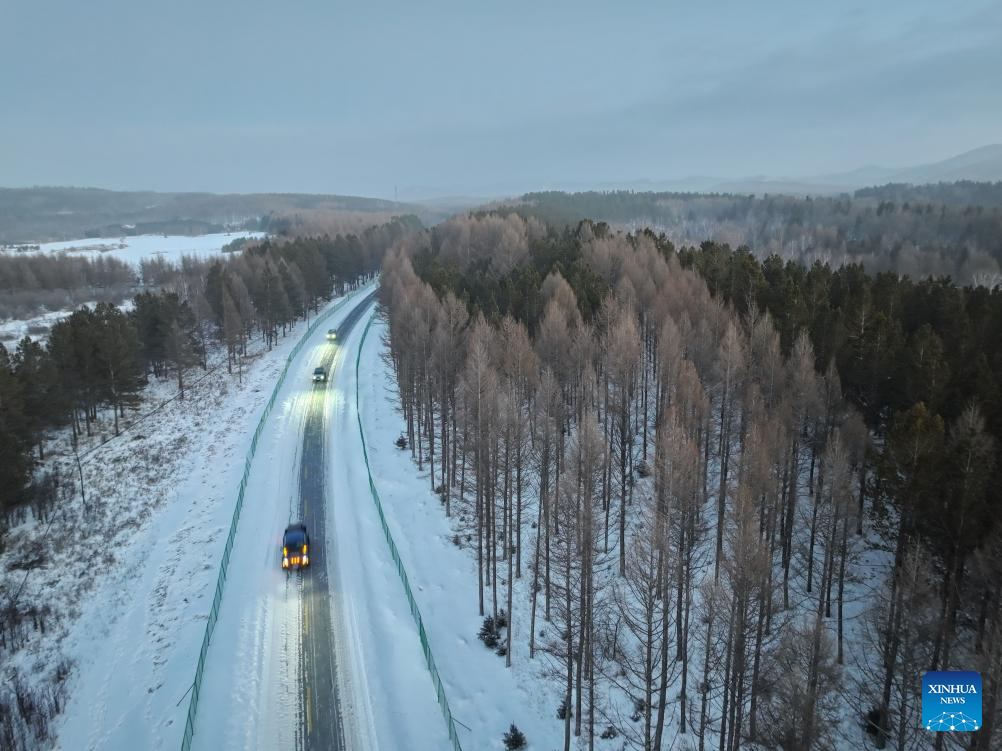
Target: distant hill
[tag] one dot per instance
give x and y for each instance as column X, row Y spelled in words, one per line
column 983, row 164
column 43, row 214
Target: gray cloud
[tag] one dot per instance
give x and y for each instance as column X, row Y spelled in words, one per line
column 360, row 97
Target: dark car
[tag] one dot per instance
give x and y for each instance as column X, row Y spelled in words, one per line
column 319, row 375
column 331, row 335
column 295, row 547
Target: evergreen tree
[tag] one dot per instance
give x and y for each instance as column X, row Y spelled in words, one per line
column 44, row 404
column 15, row 450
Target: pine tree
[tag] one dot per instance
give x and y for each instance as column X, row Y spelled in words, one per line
column 514, row 739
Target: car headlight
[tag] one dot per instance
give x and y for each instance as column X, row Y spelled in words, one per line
column 285, row 563
column 306, row 560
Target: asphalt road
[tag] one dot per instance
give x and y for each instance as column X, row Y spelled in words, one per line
column 323, row 726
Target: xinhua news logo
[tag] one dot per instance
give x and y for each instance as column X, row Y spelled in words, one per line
column 951, row 700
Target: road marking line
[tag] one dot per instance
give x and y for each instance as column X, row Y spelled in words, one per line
column 309, row 714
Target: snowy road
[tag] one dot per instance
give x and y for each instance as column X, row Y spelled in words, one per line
column 323, row 725
column 327, row 659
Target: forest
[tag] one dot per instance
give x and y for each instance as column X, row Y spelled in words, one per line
column 950, row 230
column 724, row 499
column 98, row 359
column 959, row 193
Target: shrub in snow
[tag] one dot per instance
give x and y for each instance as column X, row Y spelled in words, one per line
column 609, row 733
column 401, row 442
column 502, row 649
column 514, row 738
column 501, row 621
column 643, row 470
column 489, row 633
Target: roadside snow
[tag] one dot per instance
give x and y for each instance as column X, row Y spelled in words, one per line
column 485, row 697
column 380, row 648
column 250, row 694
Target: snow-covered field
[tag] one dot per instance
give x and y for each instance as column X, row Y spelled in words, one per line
column 139, row 247
column 38, row 327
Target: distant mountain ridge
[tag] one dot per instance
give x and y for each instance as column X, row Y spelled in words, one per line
column 983, row 164
column 57, row 213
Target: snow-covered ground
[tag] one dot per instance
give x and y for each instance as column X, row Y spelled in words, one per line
column 138, row 247
column 38, row 327
column 484, row 695
column 125, row 583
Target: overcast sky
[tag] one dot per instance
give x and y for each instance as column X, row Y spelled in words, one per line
column 485, row 96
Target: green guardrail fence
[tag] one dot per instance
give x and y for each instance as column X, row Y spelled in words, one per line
column 443, row 701
column 189, row 729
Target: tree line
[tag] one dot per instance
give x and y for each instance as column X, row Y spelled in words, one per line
column 671, row 489
column 100, row 358
column 37, row 281
column 959, row 193
column 917, row 231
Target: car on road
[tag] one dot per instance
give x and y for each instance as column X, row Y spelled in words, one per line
column 331, row 335
column 319, row 375
column 295, row 547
